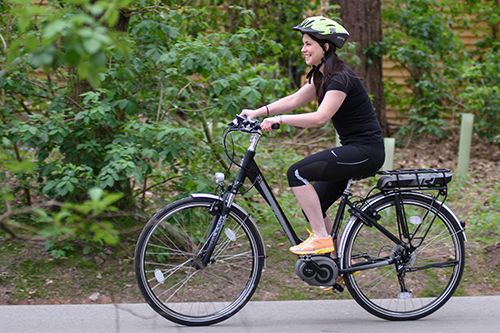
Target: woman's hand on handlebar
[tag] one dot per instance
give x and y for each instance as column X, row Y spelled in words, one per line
column 249, row 113
column 267, row 124
column 270, row 123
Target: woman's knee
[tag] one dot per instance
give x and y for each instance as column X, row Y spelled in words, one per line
column 294, row 177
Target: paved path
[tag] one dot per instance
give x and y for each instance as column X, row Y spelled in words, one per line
column 460, row 314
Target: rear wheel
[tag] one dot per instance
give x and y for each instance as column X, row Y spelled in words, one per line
column 431, row 264
column 168, row 269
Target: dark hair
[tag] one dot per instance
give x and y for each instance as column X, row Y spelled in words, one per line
column 333, row 66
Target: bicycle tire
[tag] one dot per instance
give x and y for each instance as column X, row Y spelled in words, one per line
column 434, row 268
column 183, row 292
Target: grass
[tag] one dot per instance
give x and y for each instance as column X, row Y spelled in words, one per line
column 478, row 204
column 29, row 275
column 484, row 217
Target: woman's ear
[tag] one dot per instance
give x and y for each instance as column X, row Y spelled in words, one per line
column 326, row 47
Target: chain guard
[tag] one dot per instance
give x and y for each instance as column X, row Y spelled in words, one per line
column 319, row 270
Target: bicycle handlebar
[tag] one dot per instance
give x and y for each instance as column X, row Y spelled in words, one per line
column 246, row 124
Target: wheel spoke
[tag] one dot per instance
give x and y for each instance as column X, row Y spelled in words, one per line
column 227, row 242
column 435, row 265
column 177, row 285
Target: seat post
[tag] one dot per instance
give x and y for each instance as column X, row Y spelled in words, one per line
column 347, row 190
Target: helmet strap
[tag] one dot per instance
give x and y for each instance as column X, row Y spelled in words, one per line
column 315, row 68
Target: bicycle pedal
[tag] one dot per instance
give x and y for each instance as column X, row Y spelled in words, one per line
column 338, row 288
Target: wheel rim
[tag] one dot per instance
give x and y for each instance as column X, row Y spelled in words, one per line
column 179, row 288
column 379, row 288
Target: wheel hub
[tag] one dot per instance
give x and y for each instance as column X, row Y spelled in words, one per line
column 406, row 258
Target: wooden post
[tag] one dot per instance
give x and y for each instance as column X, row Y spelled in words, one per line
column 389, row 144
column 464, row 145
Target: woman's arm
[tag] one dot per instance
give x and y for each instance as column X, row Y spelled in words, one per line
column 301, row 97
column 286, row 104
column 329, row 106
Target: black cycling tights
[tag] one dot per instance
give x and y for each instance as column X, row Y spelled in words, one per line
column 329, row 170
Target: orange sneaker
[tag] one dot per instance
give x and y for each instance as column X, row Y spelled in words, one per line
column 314, row 245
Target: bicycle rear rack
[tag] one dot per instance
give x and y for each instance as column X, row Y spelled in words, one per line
column 401, row 180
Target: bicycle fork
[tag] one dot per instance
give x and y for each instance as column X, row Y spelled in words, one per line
column 224, row 206
column 221, row 210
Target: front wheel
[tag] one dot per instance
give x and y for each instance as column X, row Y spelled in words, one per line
column 168, row 269
column 430, row 258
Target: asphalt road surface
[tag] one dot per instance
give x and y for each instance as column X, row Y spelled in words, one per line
column 460, row 314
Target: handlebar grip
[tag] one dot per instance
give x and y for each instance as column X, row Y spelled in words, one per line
column 275, row 126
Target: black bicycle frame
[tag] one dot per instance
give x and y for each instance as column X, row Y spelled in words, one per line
column 255, row 176
column 249, row 169
column 369, row 221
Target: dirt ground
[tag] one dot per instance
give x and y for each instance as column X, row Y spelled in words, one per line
column 29, row 276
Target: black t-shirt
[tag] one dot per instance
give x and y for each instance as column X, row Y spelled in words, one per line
column 355, row 120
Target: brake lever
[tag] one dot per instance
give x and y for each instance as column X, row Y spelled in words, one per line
column 236, row 122
column 245, row 123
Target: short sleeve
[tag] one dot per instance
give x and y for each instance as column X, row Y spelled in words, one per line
column 338, row 82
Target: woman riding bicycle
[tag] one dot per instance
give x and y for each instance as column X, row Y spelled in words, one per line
column 319, row 179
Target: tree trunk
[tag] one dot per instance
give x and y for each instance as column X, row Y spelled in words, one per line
column 362, row 19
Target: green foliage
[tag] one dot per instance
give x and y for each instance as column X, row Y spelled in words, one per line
column 72, row 34
column 481, row 94
column 22, row 170
column 164, row 79
column 276, row 17
column 80, row 223
column 421, row 36
column 217, row 68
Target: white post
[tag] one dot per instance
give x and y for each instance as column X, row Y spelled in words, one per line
column 464, row 145
column 389, row 144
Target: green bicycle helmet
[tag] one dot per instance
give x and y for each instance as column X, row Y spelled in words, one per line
column 324, row 29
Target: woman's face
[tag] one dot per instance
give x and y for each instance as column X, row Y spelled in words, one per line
column 311, row 50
